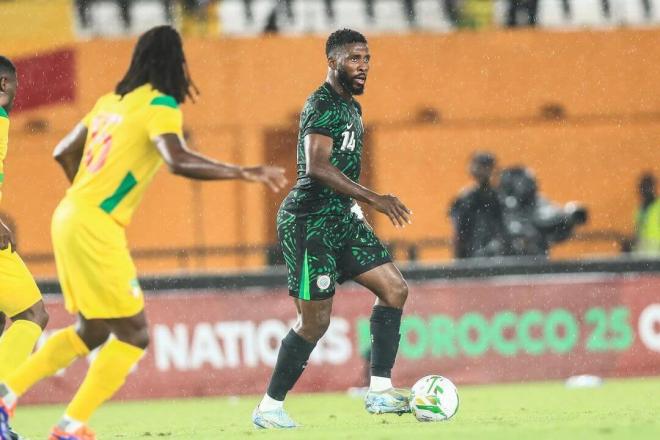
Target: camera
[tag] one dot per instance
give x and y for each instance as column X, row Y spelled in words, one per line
column 533, row 223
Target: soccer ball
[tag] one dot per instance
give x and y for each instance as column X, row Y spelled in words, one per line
column 433, row 399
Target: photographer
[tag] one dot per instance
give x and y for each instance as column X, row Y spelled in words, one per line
column 477, row 214
column 647, row 221
column 533, row 223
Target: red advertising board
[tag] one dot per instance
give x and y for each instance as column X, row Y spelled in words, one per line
column 477, row 331
column 47, row 78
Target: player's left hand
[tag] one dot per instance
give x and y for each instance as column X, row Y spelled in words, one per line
column 6, row 238
column 271, row 176
column 394, row 208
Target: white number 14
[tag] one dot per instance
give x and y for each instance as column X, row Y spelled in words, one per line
column 349, row 141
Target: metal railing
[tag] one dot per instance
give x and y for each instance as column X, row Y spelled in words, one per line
column 275, row 277
column 403, row 250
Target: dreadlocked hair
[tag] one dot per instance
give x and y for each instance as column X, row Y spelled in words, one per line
column 158, row 59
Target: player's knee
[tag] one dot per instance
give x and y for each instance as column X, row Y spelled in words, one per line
column 142, row 339
column 136, row 336
column 37, row 314
column 397, row 293
column 92, row 334
column 323, row 327
column 401, row 291
column 313, row 330
column 41, row 317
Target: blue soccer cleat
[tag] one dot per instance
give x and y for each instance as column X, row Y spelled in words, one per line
column 392, row 401
column 5, row 413
column 274, row 419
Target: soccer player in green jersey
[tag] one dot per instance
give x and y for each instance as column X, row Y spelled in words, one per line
column 325, row 240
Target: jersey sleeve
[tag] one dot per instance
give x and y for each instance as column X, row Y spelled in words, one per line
column 166, row 117
column 317, row 118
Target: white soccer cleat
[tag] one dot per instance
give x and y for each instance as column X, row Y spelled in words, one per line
column 274, row 419
column 394, row 401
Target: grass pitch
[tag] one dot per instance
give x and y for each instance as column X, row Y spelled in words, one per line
column 620, row 409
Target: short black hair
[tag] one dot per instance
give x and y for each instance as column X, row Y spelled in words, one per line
column 485, row 158
column 647, row 179
column 7, row 66
column 342, row 37
column 158, row 59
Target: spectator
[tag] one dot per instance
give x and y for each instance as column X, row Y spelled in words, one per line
column 647, row 224
column 272, row 25
column 272, row 22
column 197, row 17
column 410, row 12
column 477, row 214
column 528, row 7
column 452, row 10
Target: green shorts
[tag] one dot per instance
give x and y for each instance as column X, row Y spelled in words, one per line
column 320, row 251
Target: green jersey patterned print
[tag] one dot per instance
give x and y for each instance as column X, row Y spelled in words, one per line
column 327, row 113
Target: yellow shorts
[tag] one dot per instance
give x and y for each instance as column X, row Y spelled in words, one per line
column 95, row 268
column 18, row 291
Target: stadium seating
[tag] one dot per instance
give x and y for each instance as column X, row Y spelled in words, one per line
column 310, row 16
column 390, row 15
column 105, row 17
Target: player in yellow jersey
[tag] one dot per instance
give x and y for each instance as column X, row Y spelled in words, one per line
column 111, row 157
column 20, row 298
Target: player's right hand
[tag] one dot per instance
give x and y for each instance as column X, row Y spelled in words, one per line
column 271, row 176
column 392, row 207
column 6, row 238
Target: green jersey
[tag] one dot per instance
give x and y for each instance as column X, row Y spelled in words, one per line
column 327, row 113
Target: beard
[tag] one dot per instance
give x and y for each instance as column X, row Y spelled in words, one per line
column 348, row 84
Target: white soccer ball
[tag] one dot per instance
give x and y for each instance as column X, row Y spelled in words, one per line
column 434, row 399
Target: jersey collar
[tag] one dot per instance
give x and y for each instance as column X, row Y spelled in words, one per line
column 334, row 93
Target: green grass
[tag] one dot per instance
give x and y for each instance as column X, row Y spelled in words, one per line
column 620, row 409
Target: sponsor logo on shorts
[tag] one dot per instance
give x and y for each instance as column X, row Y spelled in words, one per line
column 323, row 282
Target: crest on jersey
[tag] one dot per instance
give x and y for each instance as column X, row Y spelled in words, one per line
column 323, row 282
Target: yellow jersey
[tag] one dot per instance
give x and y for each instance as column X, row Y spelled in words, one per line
column 119, row 159
column 4, row 142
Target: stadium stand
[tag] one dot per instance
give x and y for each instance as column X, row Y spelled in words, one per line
column 390, row 16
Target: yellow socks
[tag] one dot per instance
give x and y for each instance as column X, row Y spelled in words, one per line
column 105, row 376
column 58, row 352
column 16, row 344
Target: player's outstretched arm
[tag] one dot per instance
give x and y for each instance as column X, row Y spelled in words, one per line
column 318, row 149
column 68, row 153
column 187, row 163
